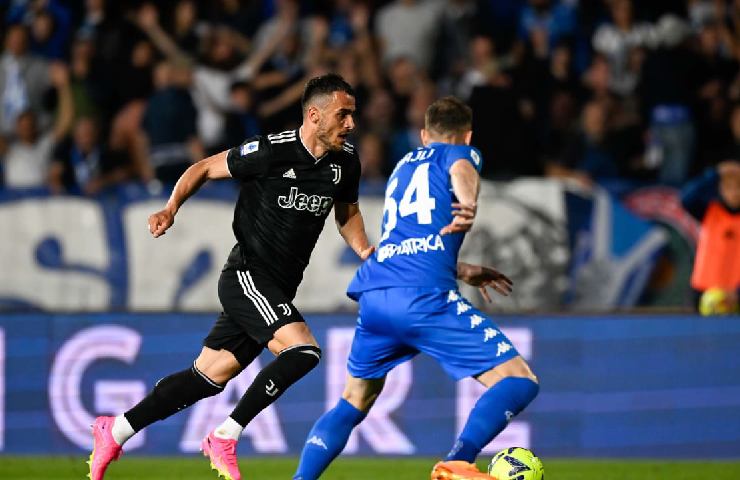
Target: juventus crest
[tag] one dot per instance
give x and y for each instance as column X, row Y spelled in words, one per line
column 337, row 170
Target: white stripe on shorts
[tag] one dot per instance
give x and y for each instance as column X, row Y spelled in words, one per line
column 259, row 301
column 250, row 283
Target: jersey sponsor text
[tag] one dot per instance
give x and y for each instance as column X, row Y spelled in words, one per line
column 316, row 204
column 411, row 246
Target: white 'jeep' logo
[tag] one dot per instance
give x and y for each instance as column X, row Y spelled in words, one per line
column 316, row 204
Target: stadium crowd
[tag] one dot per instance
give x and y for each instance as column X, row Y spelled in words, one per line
column 615, row 92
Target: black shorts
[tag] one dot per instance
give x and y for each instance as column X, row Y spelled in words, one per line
column 254, row 309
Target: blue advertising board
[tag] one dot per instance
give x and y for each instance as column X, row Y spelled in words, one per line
column 628, row 386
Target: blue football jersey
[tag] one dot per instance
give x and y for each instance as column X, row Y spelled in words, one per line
column 418, row 204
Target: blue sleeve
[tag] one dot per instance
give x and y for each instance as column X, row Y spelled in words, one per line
column 15, row 13
column 697, row 194
column 466, row 152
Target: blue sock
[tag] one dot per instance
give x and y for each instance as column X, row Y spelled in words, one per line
column 327, row 439
column 491, row 414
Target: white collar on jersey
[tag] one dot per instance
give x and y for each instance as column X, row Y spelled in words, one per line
column 317, row 160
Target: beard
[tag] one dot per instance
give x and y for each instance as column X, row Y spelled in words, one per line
column 327, row 139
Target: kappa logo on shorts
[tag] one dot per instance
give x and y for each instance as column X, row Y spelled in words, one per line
column 462, row 307
column 490, row 333
column 475, row 320
column 503, row 347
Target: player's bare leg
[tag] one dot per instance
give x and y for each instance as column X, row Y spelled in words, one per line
column 511, row 387
column 297, row 353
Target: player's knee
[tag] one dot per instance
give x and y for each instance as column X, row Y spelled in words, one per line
column 362, row 400
column 516, row 367
column 362, row 393
column 304, row 358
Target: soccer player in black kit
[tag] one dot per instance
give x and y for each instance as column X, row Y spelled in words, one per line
column 289, row 183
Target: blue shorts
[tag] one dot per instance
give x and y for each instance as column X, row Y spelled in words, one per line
column 395, row 324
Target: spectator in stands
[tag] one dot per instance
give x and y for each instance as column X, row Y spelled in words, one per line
column 619, row 41
column 241, row 121
column 240, row 16
column 184, row 29
column 668, row 91
column 365, row 51
column 49, row 22
column 548, row 20
column 133, row 87
column 87, row 81
column 169, row 125
column 591, row 155
column 221, row 66
column 409, row 29
column 50, row 31
column 24, row 78
column 407, row 137
column 717, row 71
column 26, row 161
column 375, row 167
column 731, row 148
column 404, row 78
column 378, row 114
column 714, row 199
column 458, row 28
column 482, row 68
column 82, row 165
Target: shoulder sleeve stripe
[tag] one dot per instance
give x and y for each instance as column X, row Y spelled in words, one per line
column 283, row 140
column 285, row 134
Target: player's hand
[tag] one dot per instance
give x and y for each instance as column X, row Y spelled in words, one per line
column 365, row 254
column 159, row 222
column 462, row 221
column 483, row 277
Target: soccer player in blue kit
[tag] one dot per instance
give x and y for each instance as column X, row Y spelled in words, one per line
column 409, row 301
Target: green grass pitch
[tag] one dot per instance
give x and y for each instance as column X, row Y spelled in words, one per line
column 187, row 468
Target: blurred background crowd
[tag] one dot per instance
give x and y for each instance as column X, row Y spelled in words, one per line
column 616, row 92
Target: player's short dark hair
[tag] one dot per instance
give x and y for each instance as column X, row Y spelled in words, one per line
column 448, row 115
column 324, row 85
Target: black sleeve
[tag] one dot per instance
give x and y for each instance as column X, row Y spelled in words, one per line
column 350, row 187
column 250, row 159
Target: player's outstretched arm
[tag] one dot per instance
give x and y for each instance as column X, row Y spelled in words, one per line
column 211, row 168
column 352, row 228
column 482, row 277
column 466, row 185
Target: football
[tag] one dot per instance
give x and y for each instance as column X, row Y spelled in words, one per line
column 516, row 463
column 716, row 301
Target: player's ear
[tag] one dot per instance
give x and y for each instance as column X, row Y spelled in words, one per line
column 468, row 137
column 313, row 114
column 424, row 136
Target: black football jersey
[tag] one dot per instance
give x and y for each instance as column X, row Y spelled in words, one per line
column 286, row 195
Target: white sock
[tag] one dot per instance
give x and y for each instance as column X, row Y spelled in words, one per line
column 229, row 430
column 122, row 430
